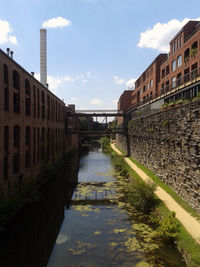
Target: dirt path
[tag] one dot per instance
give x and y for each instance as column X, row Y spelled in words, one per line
column 187, row 220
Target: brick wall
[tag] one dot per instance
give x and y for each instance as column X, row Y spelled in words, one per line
column 168, row 143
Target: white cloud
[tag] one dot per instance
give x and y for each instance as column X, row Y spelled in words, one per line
column 160, row 34
column 74, row 99
column 96, row 102
column 53, row 82
column 68, row 78
column 85, row 81
column 131, row 83
column 58, row 22
column 115, row 101
column 5, row 30
column 117, row 80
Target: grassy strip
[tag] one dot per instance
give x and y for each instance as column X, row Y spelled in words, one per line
column 30, row 193
column 158, row 181
column 177, row 198
column 185, row 243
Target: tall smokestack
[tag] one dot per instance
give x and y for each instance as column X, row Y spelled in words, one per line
column 43, row 56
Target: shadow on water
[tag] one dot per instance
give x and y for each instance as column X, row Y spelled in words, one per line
column 98, row 230
column 29, row 237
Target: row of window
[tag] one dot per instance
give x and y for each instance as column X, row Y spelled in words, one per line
column 189, row 73
column 40, row 143
column 144, row 76
column 37, row 103
column 176, row 45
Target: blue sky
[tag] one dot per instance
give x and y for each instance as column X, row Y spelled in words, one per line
column 96, row 48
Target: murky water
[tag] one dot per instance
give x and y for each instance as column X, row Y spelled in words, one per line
column 98, row 230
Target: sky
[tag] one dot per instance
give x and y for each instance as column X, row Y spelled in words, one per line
column 96, row 49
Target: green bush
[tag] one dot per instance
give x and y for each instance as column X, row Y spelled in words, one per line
column 105, row 142
column 141, row 196
column 168, row 230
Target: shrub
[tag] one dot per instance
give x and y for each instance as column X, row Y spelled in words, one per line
column 141, row 195
column 105, row 142
column 168, row 229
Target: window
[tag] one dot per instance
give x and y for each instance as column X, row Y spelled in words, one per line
column 147, row 86
column 194, row 70
column 186, row 75
column 38, row 103
column 186, row 55
column 27, row 159
column 5, row 168
column 163, row 73
column 177, row 44
column 174, row 47
column 167, row 70
column 6, row 138
column 16, row 93
column 144, row 88
column 16, row 163
column 43, row 105
column 16, row 136
column 16, row 81
column 5, row 73
column 173, row 81
column 167, row 86
column 6, row 99
column 163, row 88
column 179, row 79
column 180, row 41
column 151, row 83
column 34, row 145
column 144, row 77
column 179, row 61
column 173, row 65
column 28, row 136
column 34, row 101
column 16, row 103
column 48, row 107
column 194, row 49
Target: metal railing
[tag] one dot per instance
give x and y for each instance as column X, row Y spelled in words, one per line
column 170, row 88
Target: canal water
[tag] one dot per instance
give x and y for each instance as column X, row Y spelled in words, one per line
column 98, row 230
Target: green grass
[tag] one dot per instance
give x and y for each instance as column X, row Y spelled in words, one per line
column 177, row 198
column 185, row 243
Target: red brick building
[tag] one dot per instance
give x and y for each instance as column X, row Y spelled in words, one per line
column 124, row 103
column 32, row 125
column 146, row 86
column 181, row 69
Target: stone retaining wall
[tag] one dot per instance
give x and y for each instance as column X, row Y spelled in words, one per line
column 168, row 143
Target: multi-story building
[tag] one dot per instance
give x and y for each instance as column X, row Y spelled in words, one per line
column 180, row 72
column 124, row 103
column 146, row 86
column 32, row 128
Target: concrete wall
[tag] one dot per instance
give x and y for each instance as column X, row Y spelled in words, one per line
column 168, row 143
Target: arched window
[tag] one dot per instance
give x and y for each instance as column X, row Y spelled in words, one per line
column 16, row 92
column 16, row 136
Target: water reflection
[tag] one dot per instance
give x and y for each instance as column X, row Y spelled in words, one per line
column 98, row 229
column 28, row 239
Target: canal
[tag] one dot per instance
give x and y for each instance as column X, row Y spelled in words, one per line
column 99, row 230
